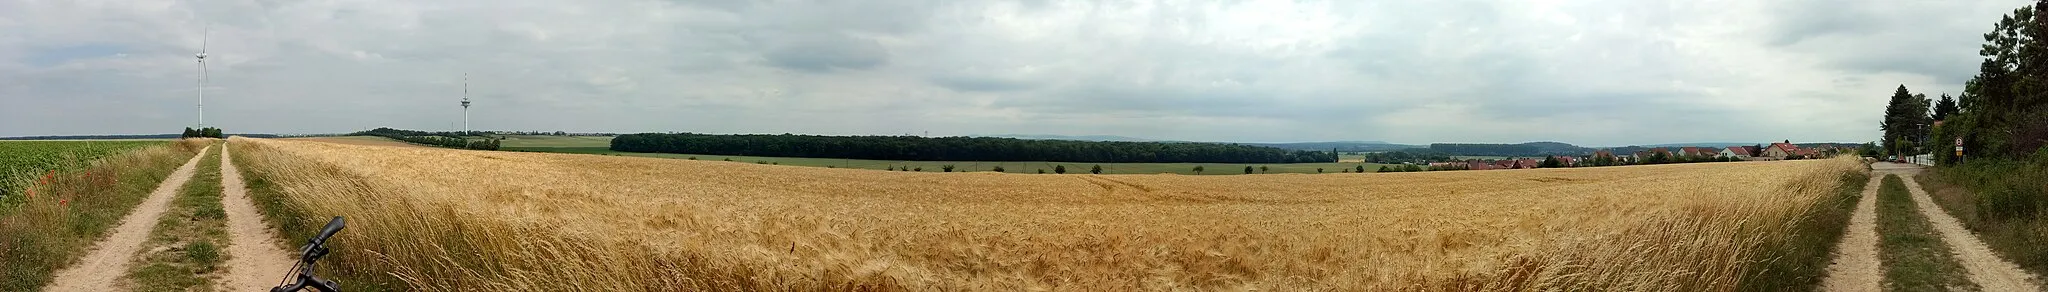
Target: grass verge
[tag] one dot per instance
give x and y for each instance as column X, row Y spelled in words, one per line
column 297, row 222
column 1803, row 259
column 2004, row 202
column 74, row 209
column 184, row 252
column 1914, row 257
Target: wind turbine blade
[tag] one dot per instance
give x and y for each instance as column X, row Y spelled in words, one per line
column 203, row 38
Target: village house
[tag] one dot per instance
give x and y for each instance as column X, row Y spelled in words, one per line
column 1737, row 152
column 1782, row 150
column 1646, row 153
column 1567, row 160
column 1697, row 152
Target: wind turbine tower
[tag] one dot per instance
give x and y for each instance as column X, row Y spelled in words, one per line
column 465, row 103
column 202, row 75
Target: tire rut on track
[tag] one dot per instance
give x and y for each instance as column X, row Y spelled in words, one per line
column 255, row 261
column 109, row 258
column 1856, row 266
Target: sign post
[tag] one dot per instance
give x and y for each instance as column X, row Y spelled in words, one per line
column 1959, row 150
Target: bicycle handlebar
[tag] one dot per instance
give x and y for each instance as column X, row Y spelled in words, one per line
column 302, row 275
column 333, row 226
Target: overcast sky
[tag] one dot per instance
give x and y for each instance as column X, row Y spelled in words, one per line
column 1602, row 73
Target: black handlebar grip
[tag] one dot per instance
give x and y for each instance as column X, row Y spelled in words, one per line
column 333, row 226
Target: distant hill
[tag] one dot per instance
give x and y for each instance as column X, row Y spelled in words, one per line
column 1341, row 146
column 1523, row 149
column 121, row 137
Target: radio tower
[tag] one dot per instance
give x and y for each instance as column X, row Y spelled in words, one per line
column 465, row 103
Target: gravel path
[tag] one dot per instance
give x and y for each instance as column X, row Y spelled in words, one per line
column 109, row 258
column 1856, row 267
column 1985, row 267
column 255, row 262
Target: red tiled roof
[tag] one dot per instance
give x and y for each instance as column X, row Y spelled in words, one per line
column 1740, row 150
column 1787, row 146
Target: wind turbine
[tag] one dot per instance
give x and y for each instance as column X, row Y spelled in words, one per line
column 202, row 75
column 465, row 103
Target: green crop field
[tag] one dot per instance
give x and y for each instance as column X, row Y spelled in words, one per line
column 1008, row 166
column 21, row 159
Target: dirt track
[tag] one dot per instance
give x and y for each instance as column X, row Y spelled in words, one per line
column 109, row 258
column 255, row 261
column 1985, row 267
column 1856, row 267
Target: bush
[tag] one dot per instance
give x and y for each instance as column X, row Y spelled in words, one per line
column 1319, row 170
column 2011, row 202
column 1359, row 169
column 1059, row 169
column 1198, row 169
column 948, row 167
column 1096, row 170
column 918, row 169
column 998, row 168
column 1247, row 169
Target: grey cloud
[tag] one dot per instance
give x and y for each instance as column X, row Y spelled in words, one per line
column 979, row 83
column 826, row 52
column 1590, row 72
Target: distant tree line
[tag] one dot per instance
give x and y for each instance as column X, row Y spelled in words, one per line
column 207, row 132
column 958, row 148
column 440, row 139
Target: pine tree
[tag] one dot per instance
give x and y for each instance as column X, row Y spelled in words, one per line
column 1903, row 120
column 1944, row 107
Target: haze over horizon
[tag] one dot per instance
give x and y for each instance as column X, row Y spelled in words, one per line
column 1592, row 73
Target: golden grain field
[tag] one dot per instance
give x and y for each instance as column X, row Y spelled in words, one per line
column 437, row 219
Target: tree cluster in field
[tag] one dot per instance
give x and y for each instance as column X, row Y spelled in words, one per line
column 958, row 149
column 1409, row 168
column 440, row 139
column 2002, row 112
column 207, row 132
